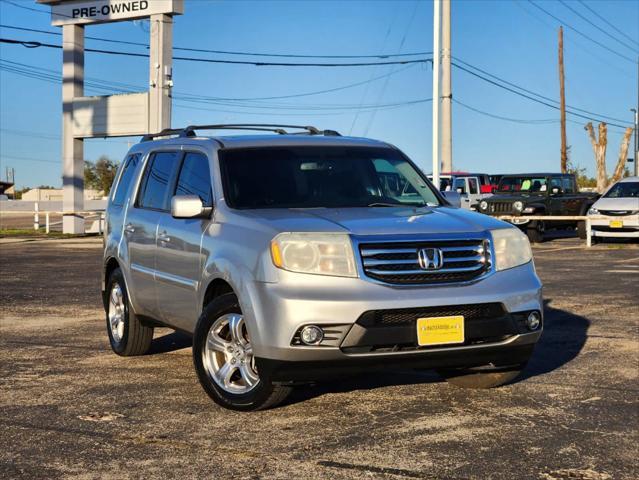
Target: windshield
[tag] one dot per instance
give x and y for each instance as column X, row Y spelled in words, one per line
column 522, row 185
column 624, row 190
column 310, row 177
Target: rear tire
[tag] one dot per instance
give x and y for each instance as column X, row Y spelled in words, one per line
column 127, row 334
column 536, row 233
column 224, row 362
column 480, row 379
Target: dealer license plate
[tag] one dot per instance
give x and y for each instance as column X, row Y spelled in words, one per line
column 440, row 330
column 616, row 223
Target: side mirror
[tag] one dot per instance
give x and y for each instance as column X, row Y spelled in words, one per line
column 453, row 198
column 555, row 190
column 459, row 190
column 189, row 206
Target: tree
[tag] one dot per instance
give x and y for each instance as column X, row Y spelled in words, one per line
column 100, row 175
column 623, row 156
column 583, row 180
column 599, row 148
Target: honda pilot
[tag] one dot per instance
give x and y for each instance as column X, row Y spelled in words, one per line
column 300, row 255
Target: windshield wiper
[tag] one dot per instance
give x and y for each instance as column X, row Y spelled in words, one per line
column 383, row 204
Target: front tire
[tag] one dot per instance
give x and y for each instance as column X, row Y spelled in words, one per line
column 127, row 334
column 224, row 361
column 582, row 233
column 480, row 379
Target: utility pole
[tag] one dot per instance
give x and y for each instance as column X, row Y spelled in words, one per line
column 447, row 92
column 436, row 94
column 562, row 100
column 636, row 110
column 636, row 121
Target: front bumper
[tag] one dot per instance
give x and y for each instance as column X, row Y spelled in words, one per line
column 609, row 226
column 280, row 309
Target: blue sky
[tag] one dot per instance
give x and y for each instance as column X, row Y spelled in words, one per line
column 511, row 39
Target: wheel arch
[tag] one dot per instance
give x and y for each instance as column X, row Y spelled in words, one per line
column 215, row 288
column 109, row 267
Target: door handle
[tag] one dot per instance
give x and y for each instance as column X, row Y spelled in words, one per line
column 164, row 238
column 129, row 228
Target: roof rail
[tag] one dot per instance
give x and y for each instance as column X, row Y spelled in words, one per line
column 164, row 133
column 189, row 131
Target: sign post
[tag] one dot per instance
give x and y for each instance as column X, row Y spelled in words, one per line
column 109, row 115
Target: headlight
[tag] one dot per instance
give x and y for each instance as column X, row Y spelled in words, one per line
column 318, row 253
column 512, row 248
column 593, row 211
column 519, row 206
column 483, row 205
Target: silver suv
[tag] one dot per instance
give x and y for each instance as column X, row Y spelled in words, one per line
column 293, row 257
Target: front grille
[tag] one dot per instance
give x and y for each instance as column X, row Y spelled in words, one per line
column 500, row 207
column 616, row 213
column 398, row 263
column 408, row 316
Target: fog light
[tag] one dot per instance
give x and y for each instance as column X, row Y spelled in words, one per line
column 533, row 321
column 311, row 335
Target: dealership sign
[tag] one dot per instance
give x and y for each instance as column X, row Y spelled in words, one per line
column 100, row 11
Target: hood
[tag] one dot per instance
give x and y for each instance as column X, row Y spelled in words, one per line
column 617, row 204
column 377, row 220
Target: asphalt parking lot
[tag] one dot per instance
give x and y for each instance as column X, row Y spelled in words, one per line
column 71, row 408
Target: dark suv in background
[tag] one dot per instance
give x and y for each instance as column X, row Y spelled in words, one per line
column 537, row 194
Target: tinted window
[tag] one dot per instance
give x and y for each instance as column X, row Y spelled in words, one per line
column 195, row 178
column 126, row 177
column 566, row 185
column 155, row 183
column 522, row 184
column 309, row 177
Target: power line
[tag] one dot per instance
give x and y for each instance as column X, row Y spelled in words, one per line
column 35, row 44
column 521, row 4
column 224, row 52
column 508, row 119
column 43, row 74
column 611, row 50
column 200, row 99
column 30, row 159
column 495, row 77
column 528, row 96
column 125, row 87
column 611, row 25
column 605, row 32
column 45, row 136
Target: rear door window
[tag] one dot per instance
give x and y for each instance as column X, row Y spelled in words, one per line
column 567, row 185
column 157, row 178
column 195, row 178
column 128, row 172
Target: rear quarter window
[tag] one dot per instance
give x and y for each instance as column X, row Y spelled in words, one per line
column 126, row 177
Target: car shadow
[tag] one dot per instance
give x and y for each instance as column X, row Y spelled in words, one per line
column 170, row 342
column 564, row 336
